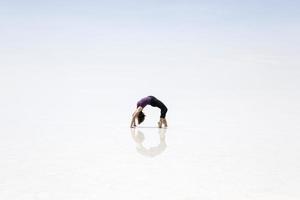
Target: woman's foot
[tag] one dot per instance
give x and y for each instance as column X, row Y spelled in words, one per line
column 164, row 122
column 159, row 124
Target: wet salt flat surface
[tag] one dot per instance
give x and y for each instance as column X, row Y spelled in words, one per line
column 235, row 147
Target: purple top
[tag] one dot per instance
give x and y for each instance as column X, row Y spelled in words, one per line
column 143, row 102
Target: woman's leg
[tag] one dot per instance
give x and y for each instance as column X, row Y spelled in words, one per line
column 162, row 122
column 159, row 123
column 165, row 122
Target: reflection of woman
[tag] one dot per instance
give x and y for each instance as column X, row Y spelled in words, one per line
column 154, row 102
column 139, row 138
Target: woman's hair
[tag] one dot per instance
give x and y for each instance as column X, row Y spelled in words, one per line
column 141, row 117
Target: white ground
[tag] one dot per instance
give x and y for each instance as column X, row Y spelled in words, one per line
column 233, row 134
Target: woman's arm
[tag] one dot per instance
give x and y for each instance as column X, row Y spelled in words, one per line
column 132, row 124
column 134, row 116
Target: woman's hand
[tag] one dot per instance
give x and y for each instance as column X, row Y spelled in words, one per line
column 132, row 125
column 134, row 116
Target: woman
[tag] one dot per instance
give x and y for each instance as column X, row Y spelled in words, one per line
column 140, row 116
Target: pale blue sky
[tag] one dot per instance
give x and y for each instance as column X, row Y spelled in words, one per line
column 178, row 18
column 159, row 29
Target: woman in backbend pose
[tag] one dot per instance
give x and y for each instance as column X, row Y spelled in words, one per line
column 140, row 116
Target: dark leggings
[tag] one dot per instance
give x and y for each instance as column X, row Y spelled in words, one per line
column 157, row 103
